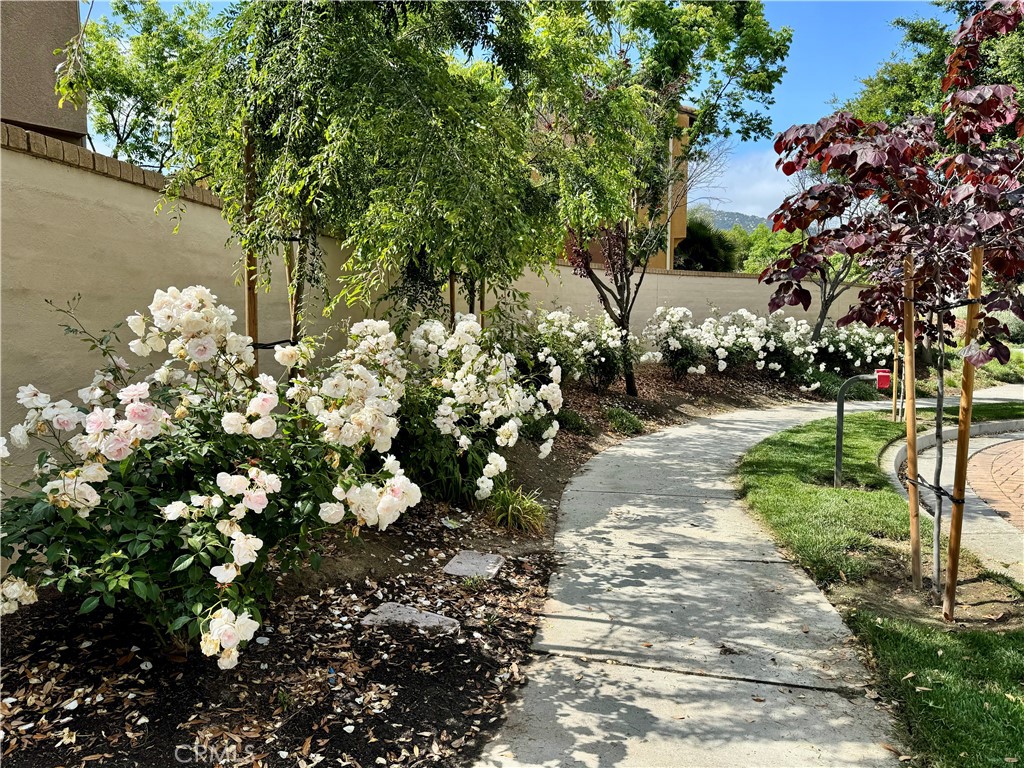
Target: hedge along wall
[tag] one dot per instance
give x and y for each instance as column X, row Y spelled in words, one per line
column 74, row 221
column 697, row 291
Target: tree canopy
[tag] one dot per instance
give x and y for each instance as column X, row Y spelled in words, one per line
column 907, row 210
column 607, row 93
column 130, row 63
column 910, row 82
column 360, row 123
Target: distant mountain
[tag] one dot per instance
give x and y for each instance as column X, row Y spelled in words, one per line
column 728, row 219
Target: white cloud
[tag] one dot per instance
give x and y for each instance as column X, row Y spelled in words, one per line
column 750, row 184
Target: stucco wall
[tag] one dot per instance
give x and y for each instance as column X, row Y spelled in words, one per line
column 699, row 292
column 66, row 230
column 29, row 34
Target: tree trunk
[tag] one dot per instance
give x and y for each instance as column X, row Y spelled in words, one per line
column 628, row 374
column 820, row 324
column 451, row 298
column 927, row 354
column 251, row 307
column 937, row 480
column 295, row 270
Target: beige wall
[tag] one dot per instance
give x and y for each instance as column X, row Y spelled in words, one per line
column 29, row 34
column 65, row 230
column 697, row 291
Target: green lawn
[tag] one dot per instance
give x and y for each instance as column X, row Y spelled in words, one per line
column 972, row 711
column 964, row 705
column 989, row 375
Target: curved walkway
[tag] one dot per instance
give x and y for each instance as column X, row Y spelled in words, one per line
column 676, row 634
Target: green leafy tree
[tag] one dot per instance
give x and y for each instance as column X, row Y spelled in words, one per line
column 765, row 247
column 606, row 95
column 910, row 82
column 347, row 119
column 354, row 120
column 128, row 65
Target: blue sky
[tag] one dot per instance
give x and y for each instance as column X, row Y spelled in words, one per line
column 835, row 43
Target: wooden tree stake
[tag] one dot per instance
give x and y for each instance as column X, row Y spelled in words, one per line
column 483, row 299
column 895, row 376
column 451, row 297
column 963, row 437
column 909, row 370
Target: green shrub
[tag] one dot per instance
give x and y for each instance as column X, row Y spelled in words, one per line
column 574, row 422
column 1014, row 326
column 705, row 248
column 1010, row 373
column 567, row 419
column 624, row 422
column 515, row 509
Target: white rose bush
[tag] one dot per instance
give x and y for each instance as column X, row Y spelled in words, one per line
column 742, row 342
column 180, row 486
column 470, row 400
column 587, row 348
column 175, row 483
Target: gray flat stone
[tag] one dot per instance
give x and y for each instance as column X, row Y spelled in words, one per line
column 398, row 615
column 601, row 715
column 471, row 564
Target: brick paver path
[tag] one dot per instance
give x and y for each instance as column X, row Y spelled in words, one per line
column 997, row 477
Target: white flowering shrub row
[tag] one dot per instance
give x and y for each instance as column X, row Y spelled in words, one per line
column 179, row 480
column 589, row 349
column 742, row 342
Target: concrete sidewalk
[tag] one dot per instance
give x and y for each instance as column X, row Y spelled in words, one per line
column 676, row 634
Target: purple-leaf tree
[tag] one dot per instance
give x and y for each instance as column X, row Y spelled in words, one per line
column 891, row 197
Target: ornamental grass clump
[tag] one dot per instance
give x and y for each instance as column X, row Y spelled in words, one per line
column 624, row 422
column 177, row 483
column 515, row 509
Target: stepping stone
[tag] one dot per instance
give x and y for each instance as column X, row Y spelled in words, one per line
column 474, row 564
column 398, row 615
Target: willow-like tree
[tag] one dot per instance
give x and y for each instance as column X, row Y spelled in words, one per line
column 355, row 120
column 606, row 92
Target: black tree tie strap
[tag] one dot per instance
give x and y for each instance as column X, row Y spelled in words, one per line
column 936, row 489
column 272, row 344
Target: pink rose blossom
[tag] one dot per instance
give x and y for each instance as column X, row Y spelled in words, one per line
column 134, row 392
column 140, row 413
column 117, row 447
column 255, row 499
column 99, row 420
